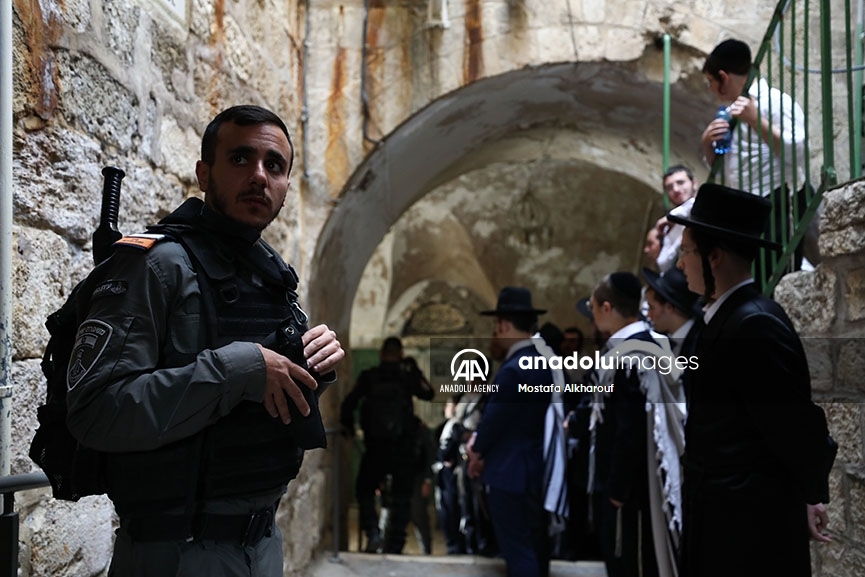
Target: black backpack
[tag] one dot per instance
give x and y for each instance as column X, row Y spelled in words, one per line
column 387, row 413
column 73, row 470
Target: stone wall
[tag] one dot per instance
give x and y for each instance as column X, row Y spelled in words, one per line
column 130, row 84
column 828, row 309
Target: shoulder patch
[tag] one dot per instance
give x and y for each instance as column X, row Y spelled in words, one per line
column 90, row 343
column 143, row 241
column 110, row 288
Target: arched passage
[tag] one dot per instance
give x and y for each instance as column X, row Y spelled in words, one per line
column 574, row 148
column 598, row 125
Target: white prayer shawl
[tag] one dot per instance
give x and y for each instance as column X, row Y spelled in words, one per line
column 665, row 409
column 555, row 456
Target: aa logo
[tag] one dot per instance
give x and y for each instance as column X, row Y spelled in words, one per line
column 469, row 367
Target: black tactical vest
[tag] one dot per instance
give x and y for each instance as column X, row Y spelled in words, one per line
column 245, row 295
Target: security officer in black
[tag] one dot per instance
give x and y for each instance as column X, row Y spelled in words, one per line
column 390, row 432
column 178, row 382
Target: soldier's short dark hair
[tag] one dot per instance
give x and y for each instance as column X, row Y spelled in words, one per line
column 243, row 115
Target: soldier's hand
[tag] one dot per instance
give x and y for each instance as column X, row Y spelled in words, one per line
column 284, row 379
column 321, row 349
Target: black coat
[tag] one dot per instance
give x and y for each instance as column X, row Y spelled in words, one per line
column 755, row 445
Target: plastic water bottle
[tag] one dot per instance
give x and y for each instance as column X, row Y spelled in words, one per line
column 722, row 145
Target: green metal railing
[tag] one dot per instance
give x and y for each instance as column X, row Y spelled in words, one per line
column 807, row 75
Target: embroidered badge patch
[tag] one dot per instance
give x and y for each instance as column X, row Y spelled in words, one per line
column 110, row 288
column 90, row 343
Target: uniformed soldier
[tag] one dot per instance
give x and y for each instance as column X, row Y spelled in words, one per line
column 201, row 424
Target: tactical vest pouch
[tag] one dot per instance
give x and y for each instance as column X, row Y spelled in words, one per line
column 220, row 272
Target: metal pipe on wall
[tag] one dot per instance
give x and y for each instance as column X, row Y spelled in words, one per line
column 5, row 235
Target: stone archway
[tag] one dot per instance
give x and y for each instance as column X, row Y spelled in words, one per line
column 581, row 141
column 601, row 117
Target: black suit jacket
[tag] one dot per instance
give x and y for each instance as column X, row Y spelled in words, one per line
column 755, row 445
column 751, row 397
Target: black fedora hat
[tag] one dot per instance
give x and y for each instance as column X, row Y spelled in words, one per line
column 729, row 214
column 673, row 287
column 514, row 300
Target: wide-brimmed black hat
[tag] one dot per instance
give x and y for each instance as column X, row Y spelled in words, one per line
column 728, row 213
column 514, row 300
column 673, row 288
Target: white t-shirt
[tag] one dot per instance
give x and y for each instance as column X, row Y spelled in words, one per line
column 761, row 171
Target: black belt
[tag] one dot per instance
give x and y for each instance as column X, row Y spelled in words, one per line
column 241, row 529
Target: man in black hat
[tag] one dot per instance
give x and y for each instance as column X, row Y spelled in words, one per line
column 757, row 450
column 507, row 448
column 674, row 312
column 673, row 308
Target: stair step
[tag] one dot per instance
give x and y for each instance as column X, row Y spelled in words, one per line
column 370, row 565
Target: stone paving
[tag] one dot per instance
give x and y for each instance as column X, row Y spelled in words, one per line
column 367, row 565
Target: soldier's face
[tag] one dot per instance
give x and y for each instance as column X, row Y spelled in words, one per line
column 249, row 177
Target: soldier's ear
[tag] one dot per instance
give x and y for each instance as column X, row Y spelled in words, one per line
column 202, row 173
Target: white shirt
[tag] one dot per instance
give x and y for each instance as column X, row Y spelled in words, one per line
column 627, row 331
column 678, row 336
column 761, row 170
column 673, row 239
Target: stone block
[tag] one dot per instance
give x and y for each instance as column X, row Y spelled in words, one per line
column 820, row 365
column 809, row 299
column 623, row 44
column 77, row 14
column 170, row 57
column 28, row 392
column 849, row 241
column 844, row 207
column 56, row 182
column 39, row 290
column 857, row 509
column 839, row 559
column 301, row 521
column 100, row 105
column 179, row 147
column 845, row 426
column 65, row 539
column 242, row 55
column 838, row 499
column 120, row 35
column 202, row 17
column 850, row 368
column 854, row 294
column 842, row 226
